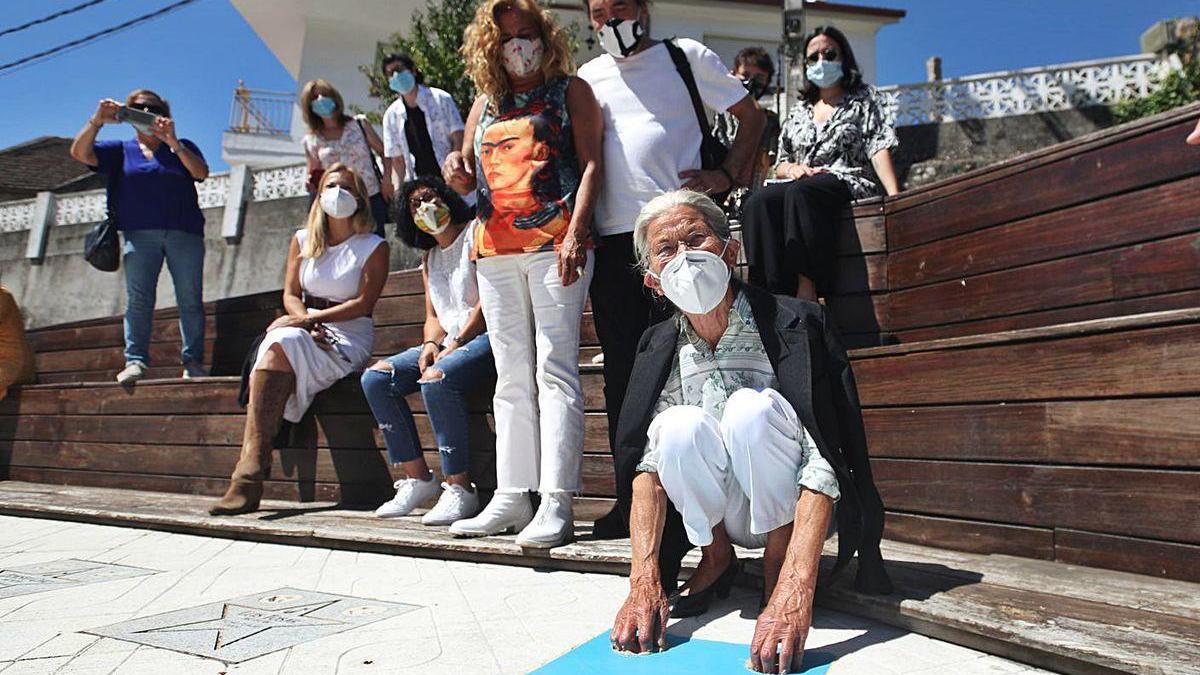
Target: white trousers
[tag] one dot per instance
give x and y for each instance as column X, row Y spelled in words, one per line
column 533, row 324
column 741, row 470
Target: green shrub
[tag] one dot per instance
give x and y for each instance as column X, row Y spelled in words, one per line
column 1180, row 87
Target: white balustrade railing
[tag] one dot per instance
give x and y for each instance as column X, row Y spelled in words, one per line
column 1032, row 90
column 16, row 216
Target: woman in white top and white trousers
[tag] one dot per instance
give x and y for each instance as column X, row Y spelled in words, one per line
column 336, row 270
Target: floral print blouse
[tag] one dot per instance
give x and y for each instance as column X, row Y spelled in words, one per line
column 845, row 143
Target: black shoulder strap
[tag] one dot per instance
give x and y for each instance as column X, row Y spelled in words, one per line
column 689, row 81
column 370, row 153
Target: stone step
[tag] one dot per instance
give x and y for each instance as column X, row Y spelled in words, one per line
column 1063, row 617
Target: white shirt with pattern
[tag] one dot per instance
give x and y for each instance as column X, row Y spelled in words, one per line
column 706, row 378
column 442, row 118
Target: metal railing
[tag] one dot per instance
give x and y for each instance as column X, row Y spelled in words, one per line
column 1031, row 90
column 266, row 113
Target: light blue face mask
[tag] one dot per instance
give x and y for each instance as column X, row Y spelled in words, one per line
column 402, row 81
column 824, row 73
column 323, row 106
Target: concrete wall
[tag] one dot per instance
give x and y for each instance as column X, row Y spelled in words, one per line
column 64, row 288
column 931, row 152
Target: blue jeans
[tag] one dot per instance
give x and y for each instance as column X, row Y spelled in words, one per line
column 143, row 255
column 466, row 368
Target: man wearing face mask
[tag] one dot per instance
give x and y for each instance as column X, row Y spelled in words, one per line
column 652, row 141
column 754, row 67
column 741, row 426
column 421, row 127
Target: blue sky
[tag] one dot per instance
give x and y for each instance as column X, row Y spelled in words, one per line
column 196, row 55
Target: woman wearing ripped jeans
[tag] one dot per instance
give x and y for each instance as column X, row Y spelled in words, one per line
column 454, row 359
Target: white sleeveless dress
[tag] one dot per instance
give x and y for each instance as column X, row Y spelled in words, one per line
column 335, row 276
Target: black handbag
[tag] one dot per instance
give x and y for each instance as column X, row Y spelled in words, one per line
column 102, row 246
column 712, row 151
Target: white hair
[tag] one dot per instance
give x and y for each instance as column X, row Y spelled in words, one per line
column 712, row 215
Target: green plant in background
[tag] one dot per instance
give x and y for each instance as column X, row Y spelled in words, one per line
column 1180, row 87
column 434, row 38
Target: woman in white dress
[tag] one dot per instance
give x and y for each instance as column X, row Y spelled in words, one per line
column 336, row 269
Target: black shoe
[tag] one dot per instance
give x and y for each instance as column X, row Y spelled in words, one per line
column 610, row 526
column 696, row 603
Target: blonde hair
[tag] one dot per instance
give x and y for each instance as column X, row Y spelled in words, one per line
column 317, row 226
column 481, row 47
column 315, row 88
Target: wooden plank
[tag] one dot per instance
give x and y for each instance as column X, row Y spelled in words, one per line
column 1148, row 159
column 860, row 274
column 1142, row 556
column 365, row 466
column 1164, row 266
column 1052, row 317
column 404, row 282
column 1107, row 500
column 1155, row 432
column 1150, row 362
column 859, row 313
column 1144, row 215
column 970, row 535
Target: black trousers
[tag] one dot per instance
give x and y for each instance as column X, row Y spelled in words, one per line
column 789, row 229
column 622, row 309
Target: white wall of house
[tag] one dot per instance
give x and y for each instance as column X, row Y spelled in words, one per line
column 330, row 40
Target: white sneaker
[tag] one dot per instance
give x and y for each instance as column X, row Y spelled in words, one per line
column 456, row 503
column 554, row 524
column 508, row 511
column 191, row 370
column 598, row 359
column 410, row 493
column 134, row 371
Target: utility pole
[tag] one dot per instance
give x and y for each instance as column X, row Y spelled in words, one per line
column 791, row 60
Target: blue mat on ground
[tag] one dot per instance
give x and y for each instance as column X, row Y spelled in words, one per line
column 682, row 655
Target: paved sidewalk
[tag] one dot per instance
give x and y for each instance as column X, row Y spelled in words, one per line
column 331, row 611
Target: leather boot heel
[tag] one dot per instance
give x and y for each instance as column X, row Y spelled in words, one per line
column 269, row 393
column 242, row 497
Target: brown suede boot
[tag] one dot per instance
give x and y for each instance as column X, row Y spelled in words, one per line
column 269, row 392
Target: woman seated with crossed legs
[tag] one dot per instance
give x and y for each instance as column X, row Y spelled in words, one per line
column 336, row 268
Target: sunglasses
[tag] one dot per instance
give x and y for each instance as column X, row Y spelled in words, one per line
column 150, row 108
column 828, row 54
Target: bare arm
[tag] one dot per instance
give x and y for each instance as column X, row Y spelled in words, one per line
column 459, row 167
column 751, row 123
column 882, row 162
column 386, row 186
column 587, row 128
column 641, row 624
column 83, row 148
column 293, row 294
column 374, row 276
column 783, row 626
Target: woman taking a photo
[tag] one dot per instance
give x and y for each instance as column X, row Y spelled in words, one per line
column 532, row 147
column 835, row 146
column 454, row 359
column 337, row 138
column 336, row 269
column 152, row 193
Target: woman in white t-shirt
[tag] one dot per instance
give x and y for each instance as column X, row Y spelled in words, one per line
column 335, row 137
column 336, row 269
column 453, row 361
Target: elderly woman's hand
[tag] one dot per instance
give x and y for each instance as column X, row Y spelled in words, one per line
column 572, row 259
column 641, row 625
column 782, row 629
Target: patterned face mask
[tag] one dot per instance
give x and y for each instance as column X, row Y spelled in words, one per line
column 432, row 217
column 522, row 57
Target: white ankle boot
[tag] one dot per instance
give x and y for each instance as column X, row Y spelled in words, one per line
column 508, row 511
column 554, row 524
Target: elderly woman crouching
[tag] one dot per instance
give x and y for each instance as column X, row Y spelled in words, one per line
column 741, row 426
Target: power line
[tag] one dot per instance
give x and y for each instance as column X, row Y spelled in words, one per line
column 51, row 17
column 7, row 68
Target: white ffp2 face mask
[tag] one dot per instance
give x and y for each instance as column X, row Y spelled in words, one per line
column 338, row 202
column 620, row 37
column 695, row 281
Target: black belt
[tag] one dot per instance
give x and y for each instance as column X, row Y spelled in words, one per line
column 314, row 302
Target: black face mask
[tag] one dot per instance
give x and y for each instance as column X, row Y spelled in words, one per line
column 755, row 87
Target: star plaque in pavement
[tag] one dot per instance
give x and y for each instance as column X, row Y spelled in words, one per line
column 58, row 574
column 249, row 626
